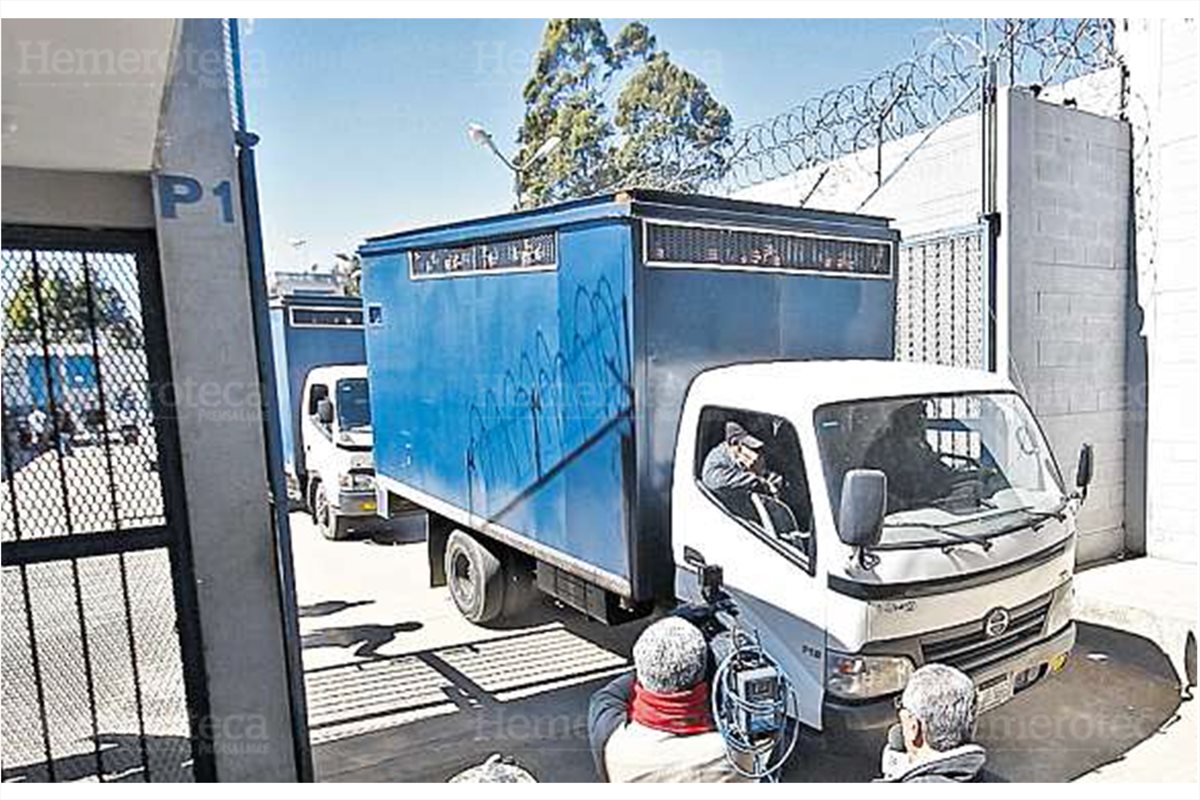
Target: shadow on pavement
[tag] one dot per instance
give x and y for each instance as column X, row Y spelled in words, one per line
column 369, row 638
column 124, row 758
column 387, row 536
column 1116, row 690
column 330, row 607
column 524, row 695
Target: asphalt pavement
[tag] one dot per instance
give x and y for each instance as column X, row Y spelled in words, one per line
column 401, row 688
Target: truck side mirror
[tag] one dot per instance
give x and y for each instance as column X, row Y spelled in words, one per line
column 325, row 411
column 1083, row 473
column 864, row 503
column 710, row 576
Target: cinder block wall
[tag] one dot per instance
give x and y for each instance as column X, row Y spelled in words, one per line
column 1064, row 198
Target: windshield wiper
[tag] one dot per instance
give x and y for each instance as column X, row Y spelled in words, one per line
column 1038, row 517
column 986, row 544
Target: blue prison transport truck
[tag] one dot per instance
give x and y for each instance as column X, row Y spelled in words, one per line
column 564, row 394
column 309, row 331
column 527, row 371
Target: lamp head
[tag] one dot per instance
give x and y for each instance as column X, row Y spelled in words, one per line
column 478, row 134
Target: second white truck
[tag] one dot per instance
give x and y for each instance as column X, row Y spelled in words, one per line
column 335, row 434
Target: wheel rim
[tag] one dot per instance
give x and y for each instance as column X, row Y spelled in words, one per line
column 464, row 578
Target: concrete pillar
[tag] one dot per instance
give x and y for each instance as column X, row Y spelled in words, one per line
column 208, row 312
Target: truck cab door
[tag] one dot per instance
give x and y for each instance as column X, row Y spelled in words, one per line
column 312, row 432
column 769, row 570
column 312, row 403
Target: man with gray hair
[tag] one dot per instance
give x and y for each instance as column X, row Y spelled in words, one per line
column 655, row 725
column 933, row 742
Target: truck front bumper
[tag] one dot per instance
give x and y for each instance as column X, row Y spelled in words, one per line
column 871, row 719
column 357, row 504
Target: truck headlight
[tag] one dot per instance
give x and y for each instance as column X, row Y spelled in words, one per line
column 356, row 481
column 1062, row 607
column 857, row 677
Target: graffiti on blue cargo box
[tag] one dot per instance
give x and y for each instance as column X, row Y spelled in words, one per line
column 554, row 403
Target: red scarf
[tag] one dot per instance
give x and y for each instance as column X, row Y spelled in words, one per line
column 680, row 713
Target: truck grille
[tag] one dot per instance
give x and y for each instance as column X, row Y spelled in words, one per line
column 969, row 648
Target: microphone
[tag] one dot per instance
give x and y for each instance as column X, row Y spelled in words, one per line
column 893, row 761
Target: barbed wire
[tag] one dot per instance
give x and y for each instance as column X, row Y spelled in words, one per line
column 942, row 81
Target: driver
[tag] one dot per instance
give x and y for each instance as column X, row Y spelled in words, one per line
column 735, row 468
column 915, row 472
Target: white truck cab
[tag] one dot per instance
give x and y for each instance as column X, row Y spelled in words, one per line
column 335, row 428
column 966, row 557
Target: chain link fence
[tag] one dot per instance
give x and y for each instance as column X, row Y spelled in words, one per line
column 80, row 446
column 102, row 680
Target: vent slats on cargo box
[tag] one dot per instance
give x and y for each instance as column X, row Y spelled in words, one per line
column 737, row 248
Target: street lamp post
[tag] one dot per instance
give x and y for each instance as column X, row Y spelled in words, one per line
column 480, row 136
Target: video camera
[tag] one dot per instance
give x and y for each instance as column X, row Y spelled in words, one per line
column 753, row 702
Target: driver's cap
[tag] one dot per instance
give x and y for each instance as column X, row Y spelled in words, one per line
column 736, row 434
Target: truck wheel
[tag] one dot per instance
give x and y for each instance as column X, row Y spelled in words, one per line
column 475, row 578
column 332, row 526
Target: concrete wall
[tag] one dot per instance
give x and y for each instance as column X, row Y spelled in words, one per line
column 1164, row 77
column 937, row 187
column 224, row 466
column 1064, row 191
column 89, row 199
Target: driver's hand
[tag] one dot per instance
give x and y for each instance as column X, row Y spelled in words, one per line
column 747, row 458
column 774, row 481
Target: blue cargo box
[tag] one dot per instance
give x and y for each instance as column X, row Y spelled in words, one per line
column 527, row 371
column 307, row 331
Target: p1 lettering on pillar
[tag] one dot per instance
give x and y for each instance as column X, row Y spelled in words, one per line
column 177, row 191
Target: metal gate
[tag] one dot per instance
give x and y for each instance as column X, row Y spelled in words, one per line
column 102, row 663
column 942, row 299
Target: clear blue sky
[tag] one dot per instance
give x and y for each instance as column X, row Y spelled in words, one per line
column 363, row 121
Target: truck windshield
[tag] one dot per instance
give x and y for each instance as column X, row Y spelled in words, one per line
column 960, row 468
column 353, row 404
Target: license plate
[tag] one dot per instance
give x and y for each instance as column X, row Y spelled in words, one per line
column 367, row 505
column 993, row 692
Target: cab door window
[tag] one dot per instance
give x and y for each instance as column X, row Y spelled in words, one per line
column 317, row 394
column 750, row 465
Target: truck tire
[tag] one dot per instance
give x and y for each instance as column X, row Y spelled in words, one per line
column 475, row 578
column 330, row 525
